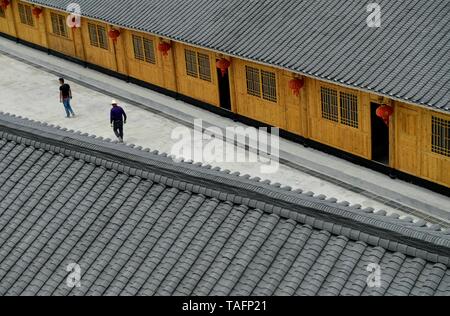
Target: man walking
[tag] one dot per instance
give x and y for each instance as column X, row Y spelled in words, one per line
column 65, row 95
column 118, row 118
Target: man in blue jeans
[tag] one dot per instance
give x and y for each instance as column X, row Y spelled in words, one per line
column 118, row 118
column 65, row 95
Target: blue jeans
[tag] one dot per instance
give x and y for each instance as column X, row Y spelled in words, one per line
column 67, row 107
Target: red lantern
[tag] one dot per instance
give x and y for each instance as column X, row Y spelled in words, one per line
column 4, row 4
column 114, row 35
column 223, row 64
column 385, row 111
column 37, row 12
column 296, row 85
column 164, row 48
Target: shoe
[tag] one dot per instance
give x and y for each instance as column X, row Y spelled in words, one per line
column 73, row 114
column 120, row 140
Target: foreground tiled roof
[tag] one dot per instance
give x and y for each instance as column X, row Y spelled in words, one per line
column 139, row 223
column 407, row 58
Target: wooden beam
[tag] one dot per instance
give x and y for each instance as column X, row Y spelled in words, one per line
column 45, row 20
column 392, row 126
column 13, row 12
column 83, row 44
column 114, row 49
column 125, row 54
column 174, row 62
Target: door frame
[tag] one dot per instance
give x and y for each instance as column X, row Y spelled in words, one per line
column 390, row 148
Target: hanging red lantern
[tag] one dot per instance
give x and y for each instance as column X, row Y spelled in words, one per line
column 4, row 4
column 296, row 85
column 37, row 12
column 384, row 112
column 114, row 34
column 164, row 48
column 223, row 64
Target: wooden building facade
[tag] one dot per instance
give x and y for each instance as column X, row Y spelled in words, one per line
column 415, row 141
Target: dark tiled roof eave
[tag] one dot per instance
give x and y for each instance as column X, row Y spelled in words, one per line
column 139, row 223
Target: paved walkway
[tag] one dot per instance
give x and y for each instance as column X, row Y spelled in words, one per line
column 29, row 88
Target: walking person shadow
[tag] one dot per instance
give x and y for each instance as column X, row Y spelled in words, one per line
column 118, row 119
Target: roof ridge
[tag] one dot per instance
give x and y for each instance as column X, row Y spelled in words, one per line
column 321, row 212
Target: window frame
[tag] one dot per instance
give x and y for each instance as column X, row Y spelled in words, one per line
column 204, row 66
column 253, row 79
column 150, row 54
column 198, row 65
column 190, row 59
column 101, row 39
column 330, row 110
column 440, row 144
column 60, row 24
column 345, row 114
column 143, row 53
column 261, row 83
column 138, row 47
column 269, row 89
column 26, row 14
column 349, row 115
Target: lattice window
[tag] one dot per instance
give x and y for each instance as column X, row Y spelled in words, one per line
column 204, row 67
column 253, row 81
column 102, row 37
column 93, row 34
column 269, row 86
column 138, row 48
column 329, row 104
column 440, row 142
column 191, row 63
column 198, row 65
column 349, row 109
column 59, row 24
column 97, row 36
column 2, row 13
column 144, row 49
column 149, row 50
column 26, row 15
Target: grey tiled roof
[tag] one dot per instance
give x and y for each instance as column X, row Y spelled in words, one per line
column 407, row 58
column 139, row 223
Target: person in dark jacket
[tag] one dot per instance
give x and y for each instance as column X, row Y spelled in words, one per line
column 65, row 95
column 118, row 119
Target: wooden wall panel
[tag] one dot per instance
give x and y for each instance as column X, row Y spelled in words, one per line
column 160, row 74
column 95, row 55
column 413, row 153
column 34, row 34
column 169, row 67
column 295, row 106
column 434, row 167
column 64, row 45
column 353, row 140
column 7, row 23
column 194, row 87
column 272, row 113
column 407, row 136
column 78, row 41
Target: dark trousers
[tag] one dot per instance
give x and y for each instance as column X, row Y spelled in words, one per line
column 118, row 129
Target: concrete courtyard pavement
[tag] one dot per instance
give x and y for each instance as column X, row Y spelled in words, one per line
column 33, row 93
